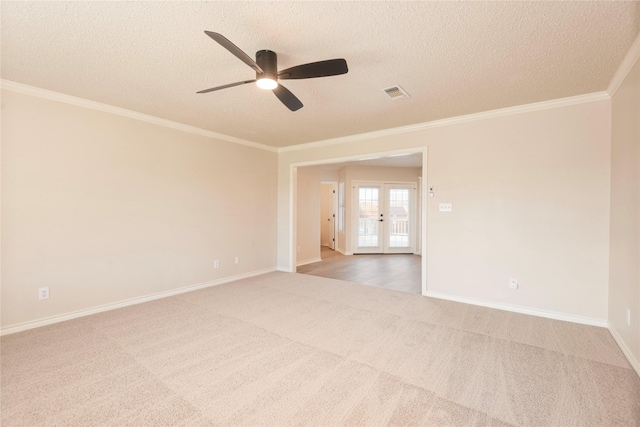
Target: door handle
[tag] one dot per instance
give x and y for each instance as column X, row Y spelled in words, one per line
column 381, row 220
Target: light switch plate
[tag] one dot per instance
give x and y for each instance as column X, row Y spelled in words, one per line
column 445, row 207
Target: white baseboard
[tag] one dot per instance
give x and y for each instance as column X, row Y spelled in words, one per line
column 309, row 261
column 133, row 301
column 625, row 350
column 524, row 310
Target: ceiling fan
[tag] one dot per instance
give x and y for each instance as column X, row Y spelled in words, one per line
column 267, row 74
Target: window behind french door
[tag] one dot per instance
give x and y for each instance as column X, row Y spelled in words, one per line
column 385, row 218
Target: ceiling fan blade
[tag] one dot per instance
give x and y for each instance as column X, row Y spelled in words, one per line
column 287, row 98
column 330, row 67
column 224, row 42
column 226, row 86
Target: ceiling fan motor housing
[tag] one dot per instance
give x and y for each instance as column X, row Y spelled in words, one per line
column 268, row 61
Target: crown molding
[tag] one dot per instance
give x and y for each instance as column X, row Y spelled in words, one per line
column 625, row 67
column 81, row 102
column 544, row 105
column 555, row 103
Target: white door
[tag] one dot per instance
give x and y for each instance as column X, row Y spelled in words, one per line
column 370, row 218
column 399, row 231
column 328, row 214
column 385, row 218
column 334, row 211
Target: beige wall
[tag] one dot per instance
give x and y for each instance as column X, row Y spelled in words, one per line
column 329, row 175
column 530, row 194
column 308, row 215
column 103, row 208
column 624, row 276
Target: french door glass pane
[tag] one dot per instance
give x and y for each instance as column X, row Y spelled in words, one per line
column 368, row 223
column 398, row 221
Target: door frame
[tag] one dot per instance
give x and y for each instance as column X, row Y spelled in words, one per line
column 355, row 217
column 384, row 236
column 413, row 219
column 334, row 209
column 289, row 256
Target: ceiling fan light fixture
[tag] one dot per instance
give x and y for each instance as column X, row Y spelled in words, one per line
column 268, row 62
column 266, row 83
column 267, row 74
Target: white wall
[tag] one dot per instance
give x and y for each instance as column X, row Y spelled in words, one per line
column 530, row 193
column 624, row 276
column 103, row 208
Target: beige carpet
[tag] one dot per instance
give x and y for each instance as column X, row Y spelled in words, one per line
column 290, row 349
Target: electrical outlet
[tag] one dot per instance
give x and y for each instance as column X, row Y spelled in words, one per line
column 237, row 260
column 216, row 264
column 43, row 293
column 628, row 317
column 445, row 207
column 513, row 283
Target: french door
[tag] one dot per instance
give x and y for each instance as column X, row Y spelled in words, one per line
column 385, row 218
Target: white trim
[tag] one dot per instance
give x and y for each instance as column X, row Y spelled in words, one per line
column 383, row 247
column 309, row 261
column 345, row 253
column 424, row 249
column 293, row 218
column 334, row 200
column 292, row 224
column 524, row 310
column 544, row 105
column 85, row 103
column 625, row 67
column 555, row 103
column 359, row 157
column 125, row 303
column 625, row 350
column 334, row 212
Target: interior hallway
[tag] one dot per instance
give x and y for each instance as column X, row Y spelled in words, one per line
column 400, row 272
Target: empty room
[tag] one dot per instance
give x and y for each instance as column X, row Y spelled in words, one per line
column 160, row 210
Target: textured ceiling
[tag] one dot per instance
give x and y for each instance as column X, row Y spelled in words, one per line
column 453, row 58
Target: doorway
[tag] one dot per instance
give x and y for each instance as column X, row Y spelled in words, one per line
column 346, row 170
column 328, row 201
column 385, row 220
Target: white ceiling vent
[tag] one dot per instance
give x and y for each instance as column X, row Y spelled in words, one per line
column 396, row 92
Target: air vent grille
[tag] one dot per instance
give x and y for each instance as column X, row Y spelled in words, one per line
column 396, row 92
